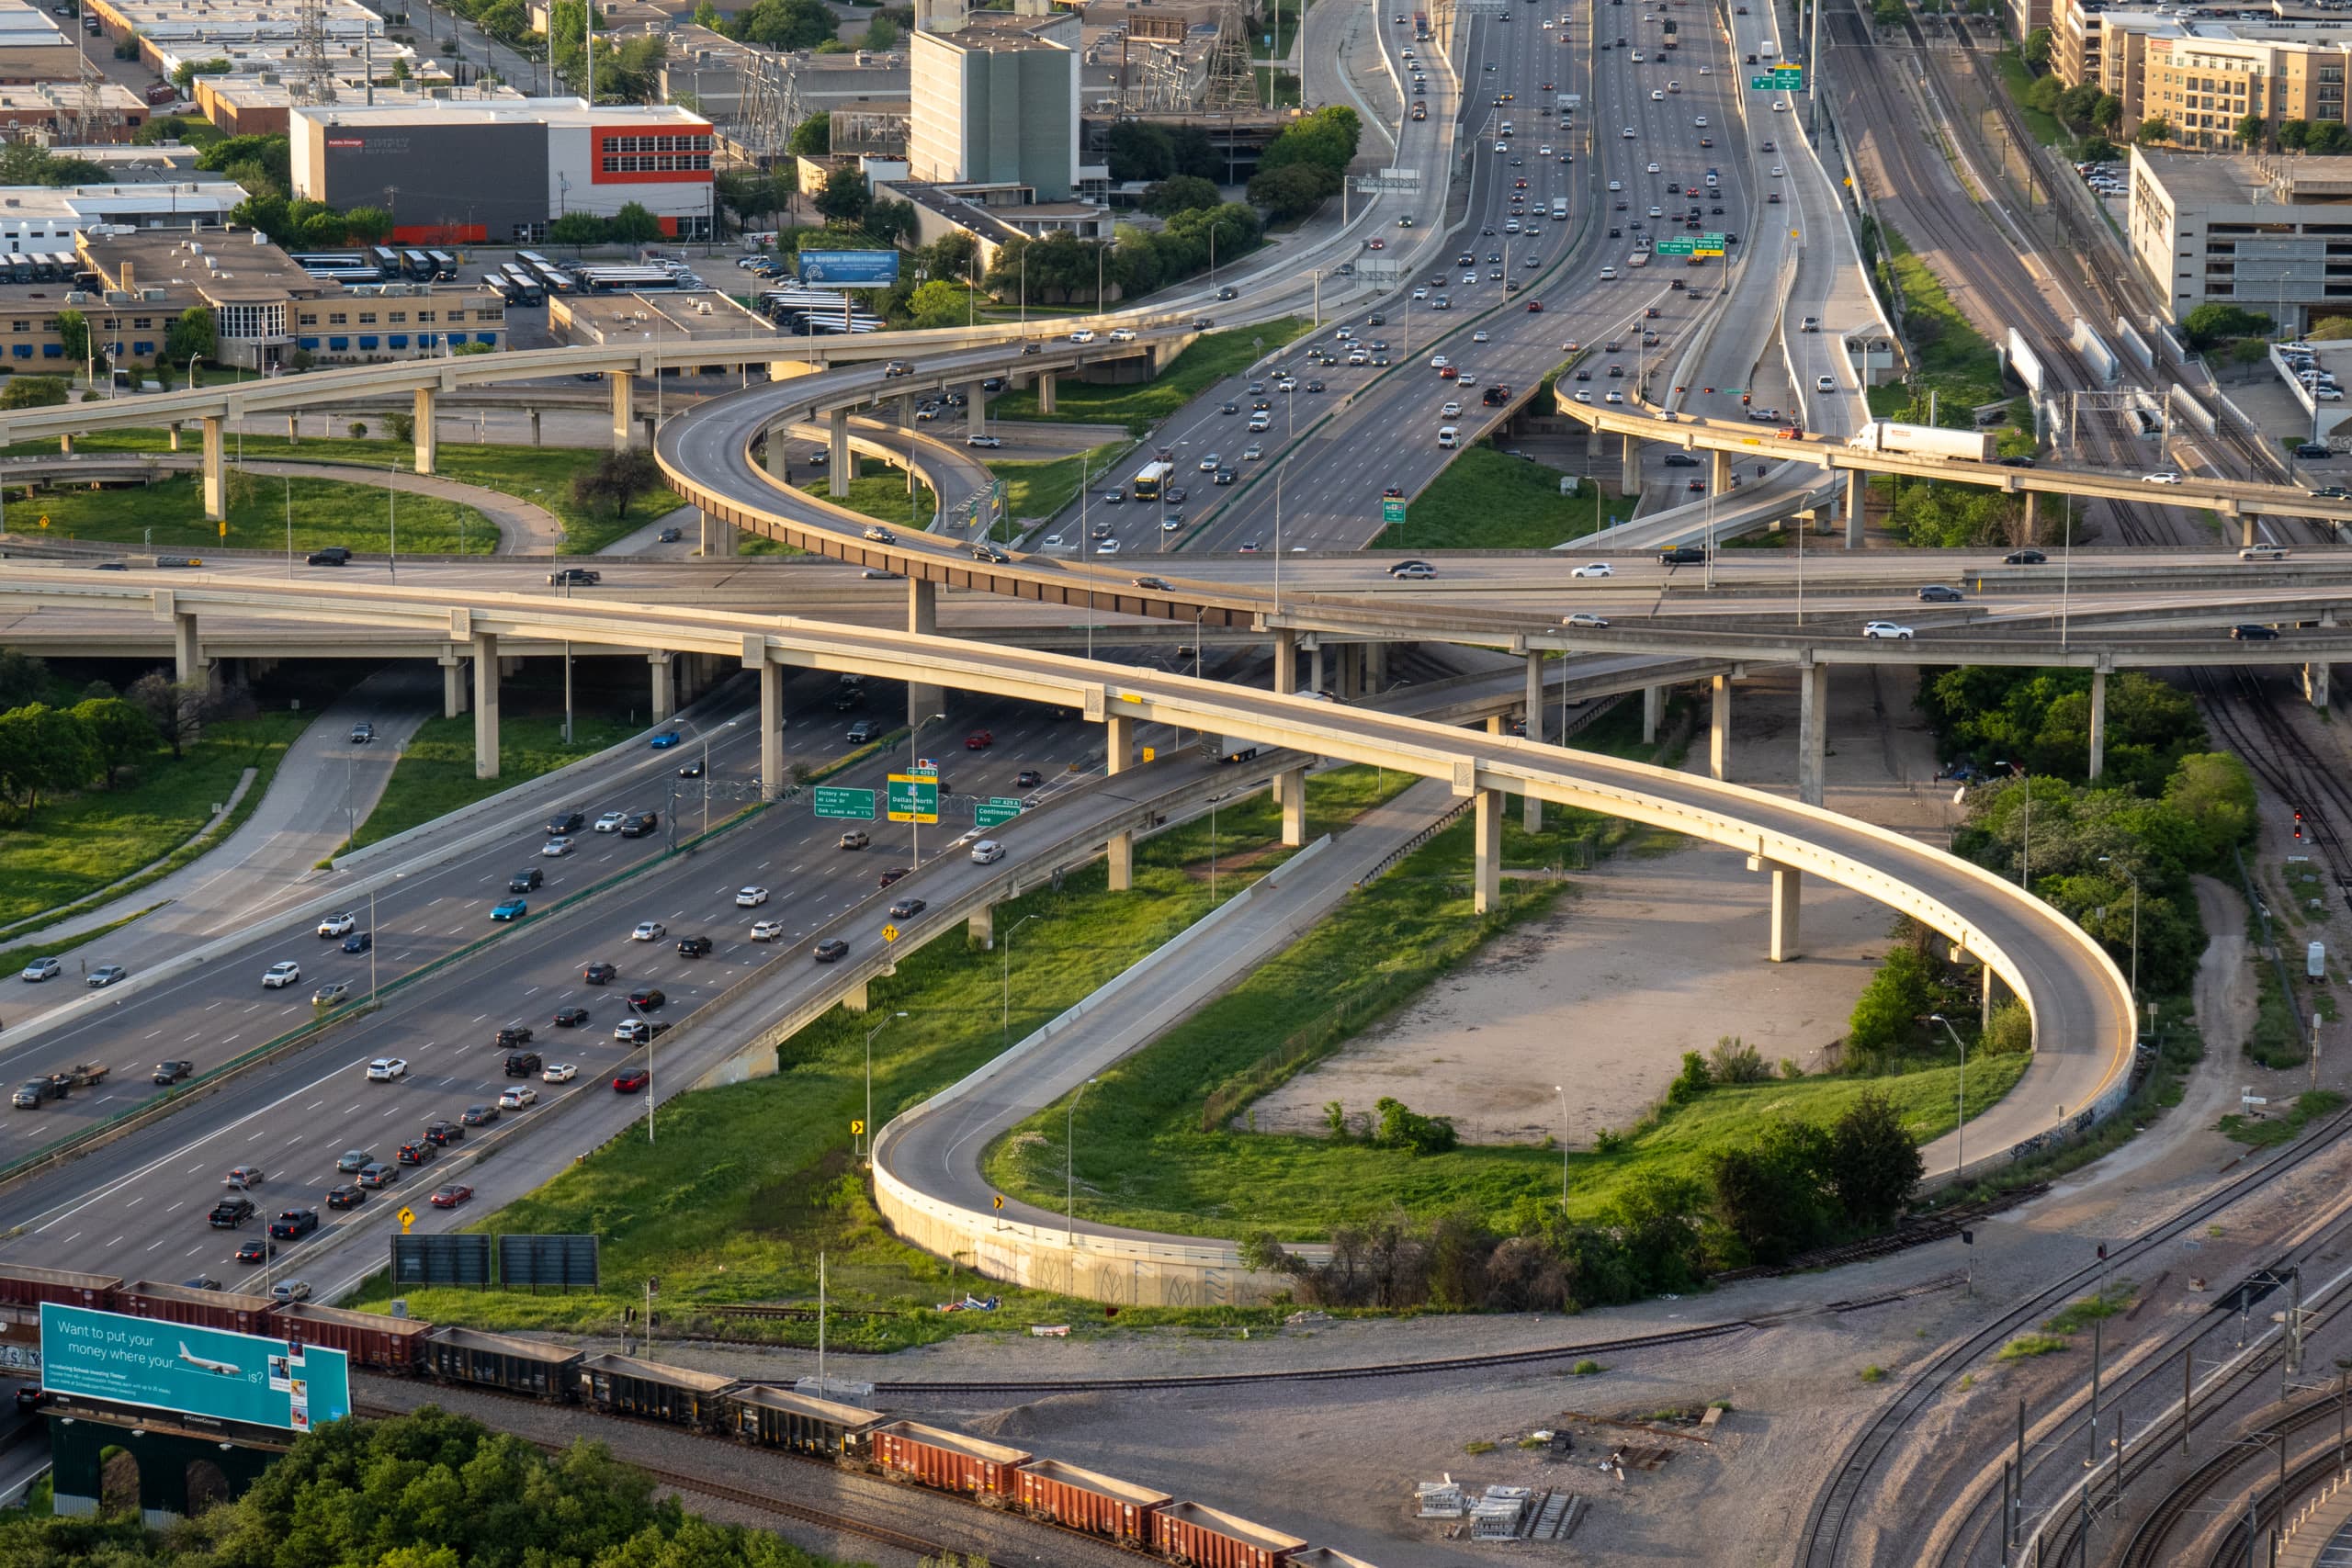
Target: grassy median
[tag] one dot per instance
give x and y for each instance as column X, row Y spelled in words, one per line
column 434, row 774
column 1486, row 499
column 746, row 1185
column 1140, row 405
column 264, row 514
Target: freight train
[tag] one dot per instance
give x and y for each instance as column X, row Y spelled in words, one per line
column 758, row 1414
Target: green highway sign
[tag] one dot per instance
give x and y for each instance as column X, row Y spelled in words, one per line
column 1780, row 79
column 995, row 812
column 1676, row 246
column 914, row 798
column 1392, row 511
column 850, row 805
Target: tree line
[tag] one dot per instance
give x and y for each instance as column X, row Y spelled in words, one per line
column 50, row 748
column 1794, row 1186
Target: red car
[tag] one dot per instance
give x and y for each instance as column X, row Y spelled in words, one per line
column 1536, row 307
column 632, row 1081
column 978, row 741
column 1449, row 373
column 449, row 1197
column 1377, row 245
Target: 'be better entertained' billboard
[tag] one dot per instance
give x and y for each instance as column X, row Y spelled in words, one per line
column 197, row 1371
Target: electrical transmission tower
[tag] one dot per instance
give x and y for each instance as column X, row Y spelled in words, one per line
column 769, row 106
column 1159, row 82
column 309, row 75
column 1231, row 83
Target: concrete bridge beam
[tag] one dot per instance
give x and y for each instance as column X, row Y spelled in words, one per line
column 216, row 471
column 2315, row 679
column 837, row 454
column 1653, row 713
column 2098, row 721
column 453, row 683
column 1487, row 881
column 772, row 779
column 1531, row 807
column 1045, row 391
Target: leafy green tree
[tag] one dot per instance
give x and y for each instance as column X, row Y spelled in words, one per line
column 24, row 678
column 1889, row 13
column 786, row 23
column 368, row 225
column 1136, row 150
column 813, row 136
column 844, row 199
column 2035, row 51
column 184, row 74
column 2154, row 129
column 193, row 337
column 1771, row 1196
column 892, row 222
column 1293, row 191
column 1181, row 192
column 1885, row 1013
column 618, row 478
column 273, row 153
column 881, row 35
column 634, row 224
column 1871, row 1163
column 2250, row 130
column 2107, row 112
column 2099, row 149
column 2009, row 1032
column 1326, row 138
column 706, row 16
column 2210, row 324
column 937, row 304
column 119, row 734
column 73, row 334
column 2213, row 791
column 577, row 229
column 44, row 751
column 1401, row 1127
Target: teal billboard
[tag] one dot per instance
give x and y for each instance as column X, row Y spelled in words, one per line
column 197, row 1371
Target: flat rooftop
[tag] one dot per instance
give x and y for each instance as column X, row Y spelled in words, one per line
column 2243, row 180
column 565, row 112
column 657, row 316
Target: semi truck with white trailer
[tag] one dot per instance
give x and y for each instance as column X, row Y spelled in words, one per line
column 1922, row 441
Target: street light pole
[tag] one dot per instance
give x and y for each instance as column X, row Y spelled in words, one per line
column 1070, row 1162
column 913, row 826
column 1960, row 1123
column 865, row 1148
column 1561, row 1090
column 1005, row 1026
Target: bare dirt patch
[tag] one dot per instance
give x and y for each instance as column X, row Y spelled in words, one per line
column 1653, row 957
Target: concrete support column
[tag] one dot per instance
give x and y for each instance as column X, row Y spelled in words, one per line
column 624, row 395
column 1286, row 662
column 1317, row 678
column 1375, row 668
column 1788, row 887
column 922, row 619
column 453, row 684
column 65, row 445
column 2032, row 517
column 1629, row 472
column 1531, row 808
column 1854, row 509
column 535, row 427
column 976, row 409
column 1119, row 745
column 485, row 704
column 855, row 998
column 1351, row 672
column 2315, row 684
column 2098, row 722
column 188, row 651
column 1290, row 789
column 2246, row 531
column 837, row 455
column 980, row 930
column 1486, row 879
column 175, row 435
column 1653, row 713
column 664, row 683
column 216, row 471
column 772, row 779
column 778, row 458
column 1813, row 726
column 719, row 538
column 1044, row 392
column 428, row 444
column 1719, row 727
column 1719, row 474
column 293, row 427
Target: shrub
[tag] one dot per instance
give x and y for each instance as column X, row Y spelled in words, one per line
column 1585, row 1367
column 1735, row 1062
column 1694, row 1080
column 1400, row 1127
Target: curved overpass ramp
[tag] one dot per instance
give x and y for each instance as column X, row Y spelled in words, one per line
column 2080, row 1003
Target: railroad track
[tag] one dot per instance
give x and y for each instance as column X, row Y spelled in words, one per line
column 2284, row 759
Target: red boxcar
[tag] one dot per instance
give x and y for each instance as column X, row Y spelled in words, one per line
column 22, row 1286
column 1084, row 1500
column 1191, row 1533
column 383, row 1344
column 948, row 1461
column 207, row 1309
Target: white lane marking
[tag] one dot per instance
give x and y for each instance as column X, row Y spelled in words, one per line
column 153, row 1244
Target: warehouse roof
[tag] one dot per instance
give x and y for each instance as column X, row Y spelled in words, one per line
column 517, row 111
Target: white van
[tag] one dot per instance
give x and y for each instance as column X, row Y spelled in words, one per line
column 1448, row 436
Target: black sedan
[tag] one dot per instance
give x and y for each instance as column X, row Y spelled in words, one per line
column 570, row 1018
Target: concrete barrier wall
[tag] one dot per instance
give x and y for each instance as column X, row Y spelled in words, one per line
column 2196, row 413
column 2134, row 346
column 2094, row 352
column 2023, row 363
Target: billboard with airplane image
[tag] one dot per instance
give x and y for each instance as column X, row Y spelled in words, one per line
column 196, row 1371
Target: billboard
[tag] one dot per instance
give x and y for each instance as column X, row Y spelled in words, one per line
column 193, row 1371
column 850, row 269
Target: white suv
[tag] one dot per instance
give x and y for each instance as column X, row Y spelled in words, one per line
column 279, row 974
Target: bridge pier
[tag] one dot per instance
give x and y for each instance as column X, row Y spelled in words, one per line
column 2315, row 685
column 1854, row 481
column 1531, row 807
column 65, row 445
column 428, row 444
column 1653, row 711
column 777, row 459
column 1351, row 672
column 216, row 472
column 624, row 394
column 1375, row 667
column 771, row 716
column 453, row 683
column 1119, row 744
column 1719, row 727
column 2098, row 721
column 922, row 619
column 1788, row 890
column 1487, row 880
column 1719, row 474
column 662, row 666
column 1315, row 673
column 188, row 662
column 175, row 435
column 1812, row 729
column 1629, row 469
column 855, row 999
column 1044, row 392
column 979, row 929
column 2033, row 525
column 976, row 409
column 485, row 704
column 535, row 427
column 1290, row 785
column 719, row 536
column 837, row 457
column 2246, row 531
